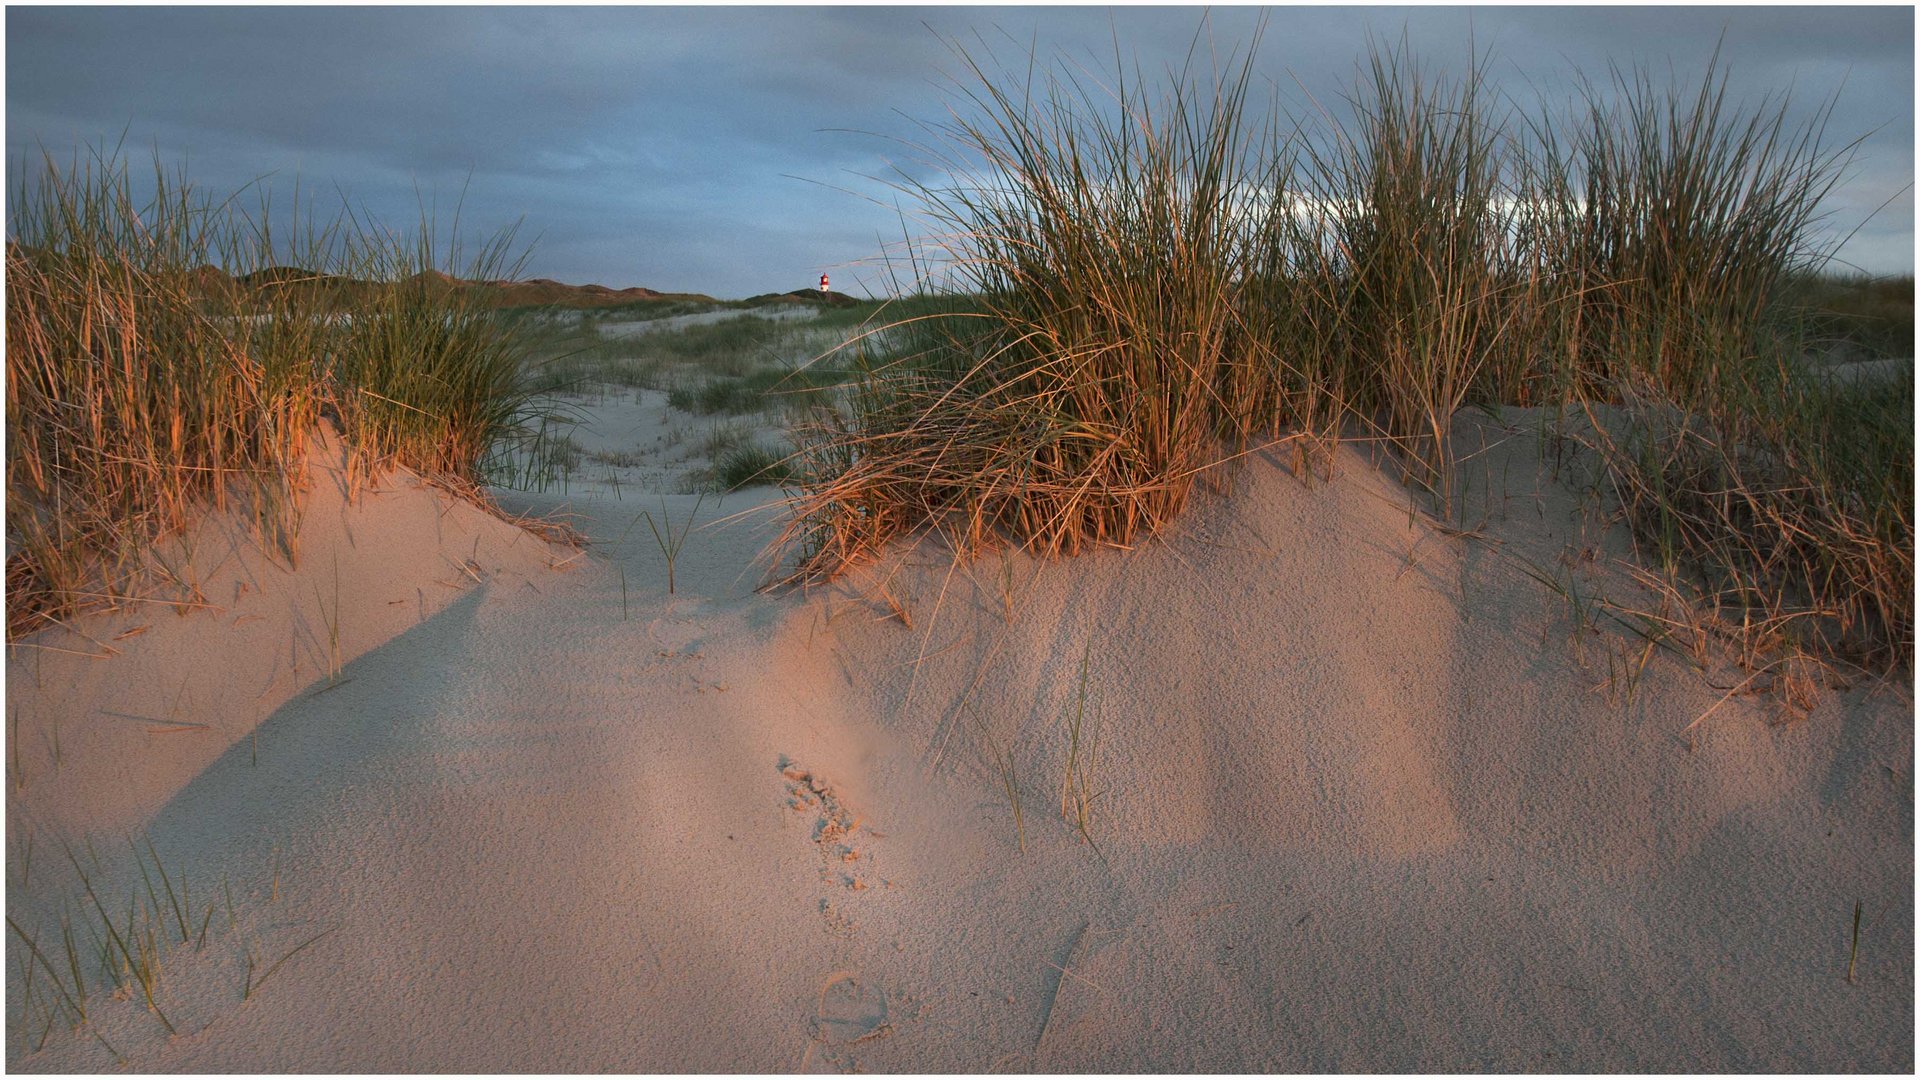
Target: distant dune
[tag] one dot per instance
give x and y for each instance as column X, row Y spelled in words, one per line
column 539, row 292
column 533, row 292
column 805, row 296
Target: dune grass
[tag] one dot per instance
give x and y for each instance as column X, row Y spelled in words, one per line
column 1791, row 517
column 134, row 394
column 752, row 463
column 1433, row 296
column 253, row 982
column 1009, row 769
column 570, row 354
column 765, row 389
column 1077, row 794
column 166, row 356
column 1682, row 284
column 131, row 952
column 730, row 346
column 1070, row 400
column 421, row 375
column 124, row 956
column 1144, row 284
column 671, row 543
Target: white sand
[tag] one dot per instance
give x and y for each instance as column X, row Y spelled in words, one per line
column 784, row 312
column 1867, row 372
column 1365, row 803
column 635, row 446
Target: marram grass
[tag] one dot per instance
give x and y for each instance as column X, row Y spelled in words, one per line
column 1142, row 284
column 165, row 357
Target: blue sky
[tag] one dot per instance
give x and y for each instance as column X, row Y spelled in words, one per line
column 730, row 150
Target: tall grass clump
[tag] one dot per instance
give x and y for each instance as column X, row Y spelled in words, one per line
column 1793, row 516
column 137, row 389
column 1416, row 196
column 1679, row 237
column 749, row 464
column 1143, row 283
column 425, row 375
column 1072, row 399
column 1676, row 220
column 168, row 354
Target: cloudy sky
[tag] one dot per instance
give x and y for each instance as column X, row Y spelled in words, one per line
column 729, row 150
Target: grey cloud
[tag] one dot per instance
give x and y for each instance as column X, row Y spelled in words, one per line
column 658, row 146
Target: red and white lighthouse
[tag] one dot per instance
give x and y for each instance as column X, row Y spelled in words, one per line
column 823, row 283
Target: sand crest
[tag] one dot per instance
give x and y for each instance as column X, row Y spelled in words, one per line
column 112, row 717
column 1363, row 795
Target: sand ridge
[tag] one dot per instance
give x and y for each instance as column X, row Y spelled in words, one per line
column 1364, row 799
column 117, row 712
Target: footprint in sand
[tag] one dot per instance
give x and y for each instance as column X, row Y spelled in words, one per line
column 836, row 827
column 678, row 636
column 837, row 835
column 850, row 1010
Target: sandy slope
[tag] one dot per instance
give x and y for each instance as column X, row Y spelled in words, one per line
column 634, row 445
column 109, row 720
column 1365, row 802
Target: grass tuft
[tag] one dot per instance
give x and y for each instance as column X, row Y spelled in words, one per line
column 1083, row 757
column 165, row 357
column 669, row 541
column 1140, row 285
column 752, row 463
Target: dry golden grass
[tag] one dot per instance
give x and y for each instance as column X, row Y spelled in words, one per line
column 146, row 386
column 1144, row 286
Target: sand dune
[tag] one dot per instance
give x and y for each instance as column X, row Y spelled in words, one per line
column 116, row 715
column 1364, row 798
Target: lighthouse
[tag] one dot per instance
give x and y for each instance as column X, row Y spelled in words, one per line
column 823, row 283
